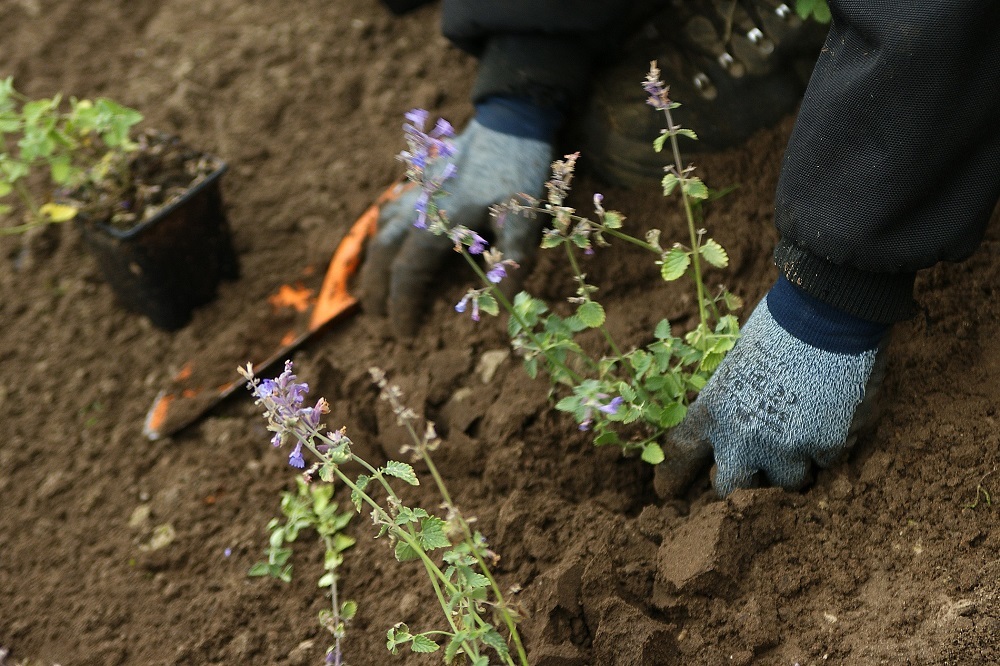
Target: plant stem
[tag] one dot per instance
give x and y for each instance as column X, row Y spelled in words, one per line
column 629, row 239
column 337, row 653
column 434, row 573
column 695, row 254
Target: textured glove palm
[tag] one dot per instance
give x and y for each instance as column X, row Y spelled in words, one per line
column 491, row 167
column 775, row 406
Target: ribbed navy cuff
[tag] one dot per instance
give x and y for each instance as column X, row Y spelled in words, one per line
column 517, row 116
column 821, row 325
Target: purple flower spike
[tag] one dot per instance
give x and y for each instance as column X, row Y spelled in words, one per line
column 295, row 459
column 656, row 90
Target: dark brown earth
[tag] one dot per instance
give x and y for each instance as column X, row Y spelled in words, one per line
column 889, row 558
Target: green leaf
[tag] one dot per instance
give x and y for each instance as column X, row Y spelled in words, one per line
column 694, row 188
column 421, row 643
column 732, row 301
column 714, row 253
column 818, row 9
column 488, row 304
column 659, row 141
column 260, row 569
column 326, row 580
column 361, row 484
column 591, row 313
column 432, row 535
column 568, row 404
column 348, row 610
column 496, row 641
column 711, row 361
column 396, row 636
column 607, row 438
column 652, row 453
column 674, row 263
column 551, row 239
column 613, row 219
column 454, row 645
column 401, row 470
column 662, row 330
column 669, row 183
column 688, row 133
column 404, row 552
column 342, row 542
column 672, row 414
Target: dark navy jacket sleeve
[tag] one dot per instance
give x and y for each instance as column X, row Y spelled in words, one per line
column 894, row 162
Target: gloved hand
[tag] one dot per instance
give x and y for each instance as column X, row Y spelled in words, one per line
column 504, row 151
column 795, row 390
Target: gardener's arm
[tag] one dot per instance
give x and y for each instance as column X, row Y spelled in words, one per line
column 535, row 64
column 894, row 165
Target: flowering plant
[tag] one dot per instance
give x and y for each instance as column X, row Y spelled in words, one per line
column 630, row 398
column 467, row 592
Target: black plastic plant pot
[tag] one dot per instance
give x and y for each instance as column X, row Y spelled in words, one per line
column 168, row 265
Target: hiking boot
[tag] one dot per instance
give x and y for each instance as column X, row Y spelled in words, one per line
column 735, row 66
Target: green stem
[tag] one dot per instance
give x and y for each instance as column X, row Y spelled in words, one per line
column 695, row 255
column 334, row 601
column 630, row 239
column 434, row 573
column 501, row 603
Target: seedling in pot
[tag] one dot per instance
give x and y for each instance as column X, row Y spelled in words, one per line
column 47, row 149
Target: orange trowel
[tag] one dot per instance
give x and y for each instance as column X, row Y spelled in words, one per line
column 293, row 315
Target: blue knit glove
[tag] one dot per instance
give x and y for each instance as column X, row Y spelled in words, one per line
column 795, row 390
column 506, row 150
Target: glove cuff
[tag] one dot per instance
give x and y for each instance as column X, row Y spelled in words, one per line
column 518, row 116
column 819, row 324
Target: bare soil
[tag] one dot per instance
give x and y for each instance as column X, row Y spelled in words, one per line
column 891, row 557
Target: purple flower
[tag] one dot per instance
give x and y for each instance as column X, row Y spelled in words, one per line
column 295, row 459
column 276, row 440
column 594, row 403
column 499, row 270
column 421, row 207
column 496, row 274
column 471, row 297
column 423, row 148
column 227, row 552
column 612, row 407
column 478, row 244
column 417, row 116
column 442, row 129
column 656, row 90
column 464, row 236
